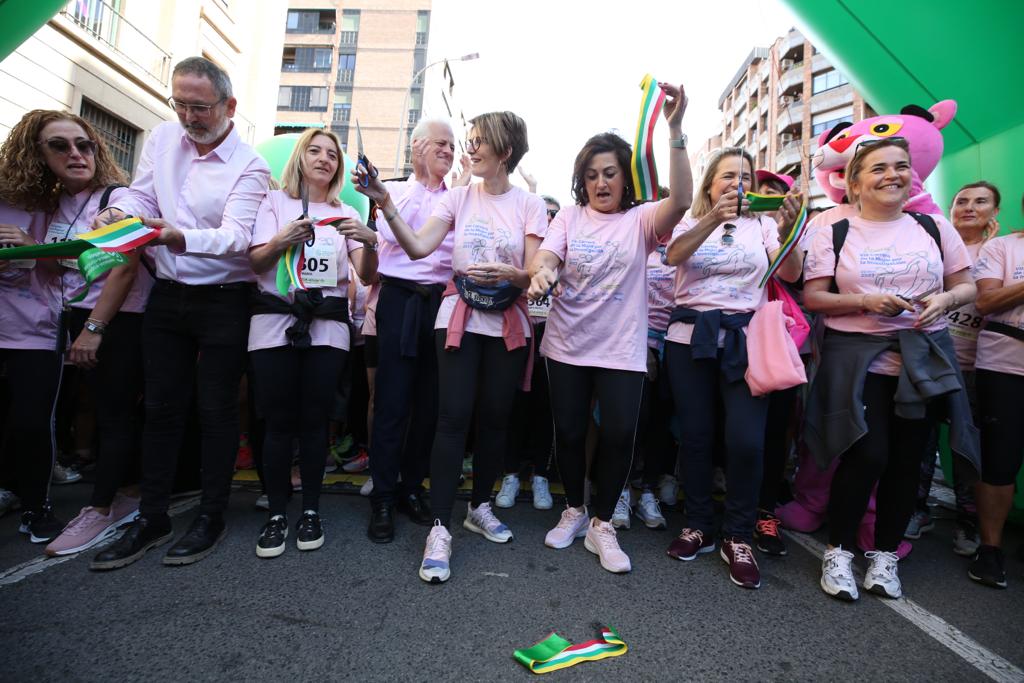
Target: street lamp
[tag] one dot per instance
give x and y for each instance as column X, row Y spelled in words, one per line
column 405, row 102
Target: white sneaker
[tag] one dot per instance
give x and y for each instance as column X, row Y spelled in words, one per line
column 571, row 526
column 506, row 497
column 602, row 541
column 623, row 509
column 837, row 574
column 649, row 511
column 367, row 487
column 64, row 475
column 436, row 555
column 668, row 490
column 263, row 502
column 881, row 577
column 482, row 521
column 541, row 493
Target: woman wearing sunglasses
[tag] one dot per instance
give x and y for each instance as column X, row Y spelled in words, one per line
column 54, row 163
column 483, row 332
column 883, row 280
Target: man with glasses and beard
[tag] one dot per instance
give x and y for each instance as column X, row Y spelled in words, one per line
column 201, row 185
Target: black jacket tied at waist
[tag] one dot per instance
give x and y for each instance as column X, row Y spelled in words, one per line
column 704, row 342
column 413, row 312
column 307, row 306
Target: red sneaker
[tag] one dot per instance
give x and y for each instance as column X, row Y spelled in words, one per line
column 689, row 544
column 243, row 461
column 742, row 567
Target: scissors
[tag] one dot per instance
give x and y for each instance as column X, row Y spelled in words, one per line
column 304, row 197
column 361, row 160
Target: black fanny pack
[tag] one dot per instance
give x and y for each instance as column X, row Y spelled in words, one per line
column 496, row 298
column 1008, row 330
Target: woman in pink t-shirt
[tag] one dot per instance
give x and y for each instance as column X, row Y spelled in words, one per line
column 298, row 342
column 594, row 262
column 891, row 278
column 1000, row 386
column 721, row 252
column 483, row 332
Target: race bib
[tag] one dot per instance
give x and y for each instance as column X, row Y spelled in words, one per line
column 320, row 262
column 965, row 323
column 540, row 308
column 25, row 263
column 62, row 232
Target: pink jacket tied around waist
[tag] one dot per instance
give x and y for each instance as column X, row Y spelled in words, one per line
column 773, row 360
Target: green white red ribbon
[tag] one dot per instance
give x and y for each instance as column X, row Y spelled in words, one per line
column 645, row 173
column 555, row 652
column 289, row 266
column 117, row 237
column 794, row 237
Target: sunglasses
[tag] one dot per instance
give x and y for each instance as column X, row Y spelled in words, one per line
column 898, row 140
column 552, row 213
column 727, row 238
column 473, row 144
column 86, row 148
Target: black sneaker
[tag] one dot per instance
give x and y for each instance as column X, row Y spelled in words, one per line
column 271, row 540
column 766, row 534
column 987, row 568
column 198, row 542
column 141, row 535
column 40, row 525
column 309, row 532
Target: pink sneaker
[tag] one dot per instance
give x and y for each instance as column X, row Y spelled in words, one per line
column 571, row 526
column 124, row 509
column 84, row 531
column 602, row 542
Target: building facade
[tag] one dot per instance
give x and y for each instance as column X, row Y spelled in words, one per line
column 110, row 61
column 348, row 60
column 777, row 105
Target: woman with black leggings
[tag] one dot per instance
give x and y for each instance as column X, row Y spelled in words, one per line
column 298, row 341
column 482, row 327
column 594, row 262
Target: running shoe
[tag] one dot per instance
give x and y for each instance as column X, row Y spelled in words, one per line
column 339, row 448
column 623, row 509
column 742, row 566
column 920, row 523
column 436, row 555
column 837, row 574
column 64, row 475
column 482, row 521
column 272, row 537
column 506, row 497
column 360, row 463
column 309, row 531
column 40, row 525
column 541, row 493
column 766, row 534
column 367, row 487
column 649, row 511
column 668, row 490
column 882, row 577
column 965, row 539
column 601, row 540
column 689, row 544
column 262, row 502
column 89, row 528
column 987, row 568
column 571, row 526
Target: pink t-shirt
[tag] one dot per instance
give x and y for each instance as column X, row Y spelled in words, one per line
column 895, row 257
column 267, row 331
column 600, row 320
column 415, row 204
column 724, row 276
column 73, row 217
column 488, row 228
column 1002, row 259
column 661, row 285
column 965, row 323
column 29, row 296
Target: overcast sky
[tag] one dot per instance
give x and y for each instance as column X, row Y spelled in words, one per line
column 572, row 68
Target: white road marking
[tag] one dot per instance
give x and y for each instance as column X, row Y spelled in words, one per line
column 500, row 575
column 962, row 645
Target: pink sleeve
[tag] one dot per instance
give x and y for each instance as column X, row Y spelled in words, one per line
column 991, row 261
column 266, row 222
column 955, row 256
column 821, row 259
column 234, row 233
column 535, row 222
column 645, row 214
column 556, row 240
column 140, row 200
column 770, row 233
column 683, row 227
column 448, row 206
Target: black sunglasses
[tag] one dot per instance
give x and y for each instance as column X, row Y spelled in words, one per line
column 86, row 148
column 552, row 213
column 899, row 140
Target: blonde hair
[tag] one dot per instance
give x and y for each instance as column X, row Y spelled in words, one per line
column 505, row 133
column 291, row 176
column 26, row 180
column 702, row 202
column 853, row 166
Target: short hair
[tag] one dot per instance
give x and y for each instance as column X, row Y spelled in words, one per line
column 200, row 66
column 983, row 184
column 853, row 166
column 702, row 202
column 291, row 176
column 420, row 131
column 505, row 133
column 551, row 200
column 601, row 144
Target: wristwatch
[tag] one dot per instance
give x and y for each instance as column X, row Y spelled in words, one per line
column 94, row 328
column 678, row 143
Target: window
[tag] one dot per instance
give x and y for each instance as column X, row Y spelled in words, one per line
column 306, row 59
column 827, row 119
column 827, row 81
column 284, row 97
column 819, row 128
column 349, row 26
column 310, row 21
column 301, row 98
column 317, row 99
column 342, row 107
column 346, row 68
column 415, row 107
column 422, row 27
column 419, row 60
column 120, row 137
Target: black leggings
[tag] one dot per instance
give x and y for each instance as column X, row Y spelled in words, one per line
column 777, row 442
column 34, row 381
column 1002, row 429
column 484, row 374
column 295, row 391
column 655, row 446
column 530, row 433
column 618, row 395
column 890, row 454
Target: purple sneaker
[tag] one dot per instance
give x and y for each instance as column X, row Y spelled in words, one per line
column 742, row 567
column 84, row 531
column 689, row 544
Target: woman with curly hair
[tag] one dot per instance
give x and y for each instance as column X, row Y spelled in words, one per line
column 54, row 165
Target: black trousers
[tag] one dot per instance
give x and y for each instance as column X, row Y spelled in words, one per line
column 531, row 432
column 777, row 441
column 295, row 391
column 483, row 374
column 192, row 335
column 697, row 386
column 889, row 454
column 655, row 447
column 1002, row 426
column 116, row 386
column 33, row 378
column 618, row 393
column 405, row 399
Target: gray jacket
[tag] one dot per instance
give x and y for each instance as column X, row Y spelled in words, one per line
column 835, row 415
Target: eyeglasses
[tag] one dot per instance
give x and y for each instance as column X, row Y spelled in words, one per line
column 473, row 144
column 552, row 213
column 86, row 148
column 197, row 109
column 727, row 238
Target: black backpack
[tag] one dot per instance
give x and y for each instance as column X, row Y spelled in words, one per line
column 841, row 228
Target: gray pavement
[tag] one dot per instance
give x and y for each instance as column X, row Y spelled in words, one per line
column 357, row 611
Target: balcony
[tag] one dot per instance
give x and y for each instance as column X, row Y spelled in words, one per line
column 105, row 25
column 349, row 38
column 421, row 38
column 789, row 154
column 832, row 98
column 792, row 80
column 292, row 67
column 792, row 46
column 345, row 78
column 414, row 116
column 790, row 117
column 319, row 29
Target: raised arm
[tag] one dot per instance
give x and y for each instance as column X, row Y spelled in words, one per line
column 416, row 244
column 680, row 179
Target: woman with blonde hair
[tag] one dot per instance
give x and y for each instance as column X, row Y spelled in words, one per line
column 298, row 341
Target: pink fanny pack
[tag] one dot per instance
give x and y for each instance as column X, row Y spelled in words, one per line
column 773, row 362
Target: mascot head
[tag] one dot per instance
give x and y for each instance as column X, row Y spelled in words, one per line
column 919, row 126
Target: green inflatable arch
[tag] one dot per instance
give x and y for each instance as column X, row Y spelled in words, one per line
column 22, row 18
column 920, row 52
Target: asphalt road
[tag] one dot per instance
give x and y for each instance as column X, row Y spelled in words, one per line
column 358, row 611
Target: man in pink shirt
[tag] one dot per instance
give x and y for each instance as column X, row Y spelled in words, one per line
column 201, row 184
column 405, row 402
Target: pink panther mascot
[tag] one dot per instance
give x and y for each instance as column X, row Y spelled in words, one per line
column 807, row 511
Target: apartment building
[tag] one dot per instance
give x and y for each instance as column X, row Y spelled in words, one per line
column 110, row 61
column 344, row 60
column 779, row 102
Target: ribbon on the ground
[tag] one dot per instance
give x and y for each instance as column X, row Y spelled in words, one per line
column 555, row 652
column 118, row 237
column 92, row 263
column 645, row 173
column 794, row 237
column 289, row 266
